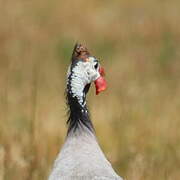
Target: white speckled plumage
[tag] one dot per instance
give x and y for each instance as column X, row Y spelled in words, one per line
column 80, row 78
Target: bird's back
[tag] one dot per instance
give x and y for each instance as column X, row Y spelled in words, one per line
column 82, row 158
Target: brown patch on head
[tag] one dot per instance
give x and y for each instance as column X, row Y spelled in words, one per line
column 80, row 52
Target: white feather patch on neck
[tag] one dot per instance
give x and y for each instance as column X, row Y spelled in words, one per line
column 79, row 80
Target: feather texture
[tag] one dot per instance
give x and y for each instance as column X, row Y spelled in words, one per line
column 81, row 157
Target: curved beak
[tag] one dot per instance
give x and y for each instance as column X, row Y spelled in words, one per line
column 100, row 83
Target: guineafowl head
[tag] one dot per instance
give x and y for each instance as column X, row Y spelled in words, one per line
column 84, row 70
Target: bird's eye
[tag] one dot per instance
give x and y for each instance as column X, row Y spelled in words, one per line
column 96, row 66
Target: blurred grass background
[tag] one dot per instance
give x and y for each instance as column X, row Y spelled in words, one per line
column 137, row 119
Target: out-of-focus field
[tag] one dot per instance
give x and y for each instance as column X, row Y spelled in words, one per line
column 137, row 119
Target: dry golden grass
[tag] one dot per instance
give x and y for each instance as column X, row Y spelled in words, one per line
column 137, row 119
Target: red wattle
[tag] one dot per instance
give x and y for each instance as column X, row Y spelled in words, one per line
column 101, row 71
column 100, row 84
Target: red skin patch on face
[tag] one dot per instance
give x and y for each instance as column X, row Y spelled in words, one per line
column 100, row 83
column 101, row 71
